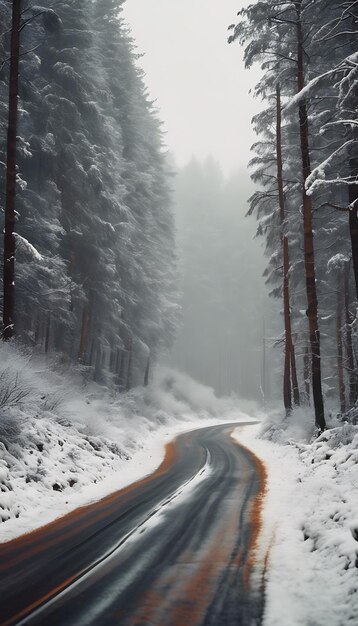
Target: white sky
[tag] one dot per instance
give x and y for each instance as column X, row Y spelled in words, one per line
column 197, row 79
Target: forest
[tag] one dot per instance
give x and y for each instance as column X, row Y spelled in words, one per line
column 91, row 226
column 305, row 168
column 90, row 268
column 179, row 336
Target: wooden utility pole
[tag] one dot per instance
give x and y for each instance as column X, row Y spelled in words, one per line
column 312, row 302
column 9, row 237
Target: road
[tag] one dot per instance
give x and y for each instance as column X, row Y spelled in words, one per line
column 174, row 549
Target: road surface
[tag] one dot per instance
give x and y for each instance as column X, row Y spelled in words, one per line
column 174, row 549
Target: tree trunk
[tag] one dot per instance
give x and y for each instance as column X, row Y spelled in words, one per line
column 353, row 213
column 353, row 167
column 341, row 385
column 312, row 302
column 98, row 363
column 146, row 375
column 92, row 352
column 122, row 370
column 84, row 334
column 263, row 364
column 129, row 370
column 352, row 374
column 118, row 361
column 353, row 231
column 9, row 238
column 295, row 388
column 306, row 374
column 287, row 396
column 290, row 362
column 47, row 336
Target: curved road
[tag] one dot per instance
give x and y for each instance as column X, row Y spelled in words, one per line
column 171, row 550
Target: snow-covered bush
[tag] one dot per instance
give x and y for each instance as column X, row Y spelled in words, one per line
column 296, row 427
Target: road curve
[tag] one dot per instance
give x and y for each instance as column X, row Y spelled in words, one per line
column 174, row 549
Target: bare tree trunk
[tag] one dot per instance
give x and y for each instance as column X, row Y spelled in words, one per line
column 146, row 375
column 290, row 361
column 353, row 231
column 98, row 363
column 352, row 374
column 9, row 238
column 92, row 352
column 129, row 370
column 84, row 334
column 263, row 364
column 307, row 374
column 312, row 302
column 353, row 166
column 37, row 330
column 295, row 388
column 112, row 360
column 47, row 336
column 122, row 370
column 118, row 361
column 341, row 385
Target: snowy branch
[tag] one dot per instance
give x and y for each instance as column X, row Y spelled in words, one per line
column 351, row 60
column 319, row 171
column 27, row 248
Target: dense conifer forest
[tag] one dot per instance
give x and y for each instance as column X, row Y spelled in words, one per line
column 179, row 341
column 89, row 247
column 94, row 261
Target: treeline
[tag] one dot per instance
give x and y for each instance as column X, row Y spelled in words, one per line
column 220, row 270
column 95, row 264
column 306, row 169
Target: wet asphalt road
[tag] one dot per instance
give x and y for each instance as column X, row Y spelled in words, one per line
column 172, row 550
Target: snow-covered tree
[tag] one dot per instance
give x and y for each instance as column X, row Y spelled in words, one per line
column 94, row 205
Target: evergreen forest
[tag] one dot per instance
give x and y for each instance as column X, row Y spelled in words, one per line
column 178, row 327
column 92, row 230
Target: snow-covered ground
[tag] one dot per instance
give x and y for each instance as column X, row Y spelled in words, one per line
column 310, row 522
column 65, row 443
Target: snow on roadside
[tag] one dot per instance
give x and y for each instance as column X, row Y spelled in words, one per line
column 64, row 444
column 310, row 524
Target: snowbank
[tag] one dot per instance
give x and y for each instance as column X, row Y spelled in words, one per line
column 310, row 522
column 64, row 443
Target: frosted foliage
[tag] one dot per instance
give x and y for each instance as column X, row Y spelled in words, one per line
column 337, row 262
column 93, row 198
column 27, row 248
column 269, row 31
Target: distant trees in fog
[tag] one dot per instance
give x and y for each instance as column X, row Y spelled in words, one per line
column 308, row 54
column 95, row 263
column 221, row 267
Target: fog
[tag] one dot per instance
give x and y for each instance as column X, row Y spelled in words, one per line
column 197, row 79
column 201, row 90
column 223, row 303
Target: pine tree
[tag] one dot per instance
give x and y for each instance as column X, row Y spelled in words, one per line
column 95, row 209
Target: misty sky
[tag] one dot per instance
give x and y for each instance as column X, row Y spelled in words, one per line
column 197, row 78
